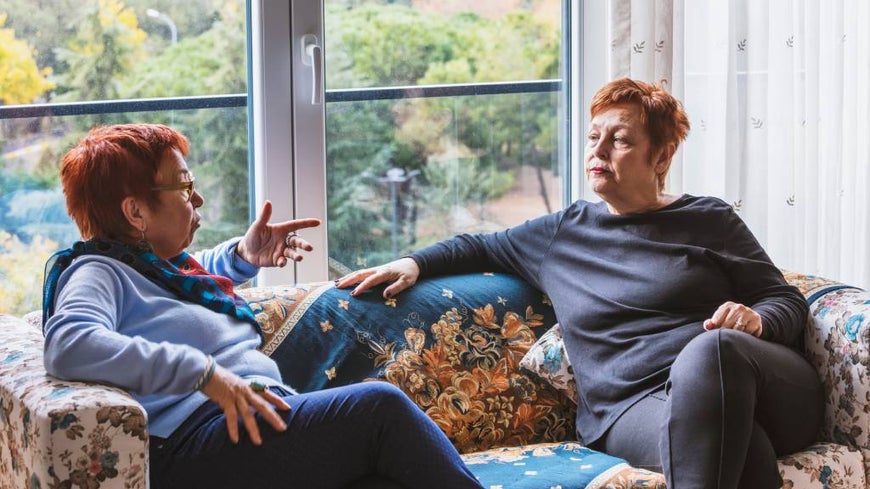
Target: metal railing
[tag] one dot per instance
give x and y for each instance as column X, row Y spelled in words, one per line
column 241, row 100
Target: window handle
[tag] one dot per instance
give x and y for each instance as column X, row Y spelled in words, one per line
column 312, row 56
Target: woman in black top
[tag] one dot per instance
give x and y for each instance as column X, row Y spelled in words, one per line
column 683, row 335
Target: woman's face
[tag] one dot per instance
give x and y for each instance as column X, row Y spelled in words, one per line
column 171, row 224
column 620, row 164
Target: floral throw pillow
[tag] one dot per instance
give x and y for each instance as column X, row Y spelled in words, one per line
column 549, row 361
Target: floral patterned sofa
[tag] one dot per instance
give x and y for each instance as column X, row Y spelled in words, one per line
column 477, row 353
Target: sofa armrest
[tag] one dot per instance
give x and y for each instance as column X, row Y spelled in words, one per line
column 55, row 433
column 838, row 345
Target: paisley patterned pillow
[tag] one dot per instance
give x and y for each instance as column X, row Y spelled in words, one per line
column 549, row 361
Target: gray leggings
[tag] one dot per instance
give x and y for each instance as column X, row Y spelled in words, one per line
column 733, row 403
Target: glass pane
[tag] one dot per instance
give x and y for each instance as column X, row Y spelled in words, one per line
column 384, row 43
column 405, row 173
column 33, row 218
column 85, row 50
column 70, row 51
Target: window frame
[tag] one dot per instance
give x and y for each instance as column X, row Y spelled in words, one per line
column 283, row 115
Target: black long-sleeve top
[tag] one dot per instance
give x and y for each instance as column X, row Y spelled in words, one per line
column 630, row 291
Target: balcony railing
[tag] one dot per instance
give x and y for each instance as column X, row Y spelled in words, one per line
column 241, row 100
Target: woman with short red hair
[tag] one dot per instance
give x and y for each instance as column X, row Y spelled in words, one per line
column 684, row 337
column 128, row 306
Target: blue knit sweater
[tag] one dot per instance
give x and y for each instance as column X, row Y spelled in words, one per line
column 114, row 326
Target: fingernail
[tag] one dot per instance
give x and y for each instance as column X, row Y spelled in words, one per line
column 388, row 295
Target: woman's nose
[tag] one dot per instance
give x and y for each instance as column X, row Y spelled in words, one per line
column 196, row 199
column 599, row 149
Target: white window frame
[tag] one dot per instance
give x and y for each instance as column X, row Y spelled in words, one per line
column 293, row 176
column 590, row 73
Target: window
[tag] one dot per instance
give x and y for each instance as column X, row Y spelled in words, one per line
column 106, row 61
column 427, row 119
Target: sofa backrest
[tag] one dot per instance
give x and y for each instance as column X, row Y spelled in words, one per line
column 453, row 344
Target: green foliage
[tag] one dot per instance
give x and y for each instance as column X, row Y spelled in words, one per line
column 31, row 208
column 515, row 47
column 389, row 45
column 38, row 21
column 21, row 267
column 21, row 80
column 211, row 63
column 103, row 49
column 468, row 149
column 192, row 18
column 361, row 149
column 458, row 181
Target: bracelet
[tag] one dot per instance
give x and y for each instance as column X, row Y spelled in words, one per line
column 206, row 375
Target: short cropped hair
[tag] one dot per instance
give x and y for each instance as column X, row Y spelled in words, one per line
column 109, row 164
column 663, row 116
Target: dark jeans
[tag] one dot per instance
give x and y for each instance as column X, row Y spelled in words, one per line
column 358, row 436
column 733, row 403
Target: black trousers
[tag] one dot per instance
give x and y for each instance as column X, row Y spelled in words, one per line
column 733, row 403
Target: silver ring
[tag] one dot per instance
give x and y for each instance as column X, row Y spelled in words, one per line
column 739, row 324
column 290, row 235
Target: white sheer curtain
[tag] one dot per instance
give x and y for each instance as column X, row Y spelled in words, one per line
column 778, row 94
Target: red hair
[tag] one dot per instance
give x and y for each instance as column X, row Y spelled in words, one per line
column 109, row 164
column 662, row 114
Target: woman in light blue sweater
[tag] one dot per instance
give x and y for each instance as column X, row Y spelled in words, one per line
column 129, row 307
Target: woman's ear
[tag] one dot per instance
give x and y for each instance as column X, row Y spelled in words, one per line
column 666, row 154
column 132, row 210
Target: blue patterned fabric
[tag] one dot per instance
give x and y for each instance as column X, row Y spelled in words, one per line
column 452, row 344
column 337, row 339
column 565, row 465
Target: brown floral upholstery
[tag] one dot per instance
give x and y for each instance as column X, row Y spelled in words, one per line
column 490, row 404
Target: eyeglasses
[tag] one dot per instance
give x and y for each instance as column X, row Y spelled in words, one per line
column 187, row 187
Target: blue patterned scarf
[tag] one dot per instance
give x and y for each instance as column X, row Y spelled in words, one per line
column 182, row 275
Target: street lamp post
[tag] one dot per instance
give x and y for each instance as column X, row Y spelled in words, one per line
column 395, row 177
column 156, row 14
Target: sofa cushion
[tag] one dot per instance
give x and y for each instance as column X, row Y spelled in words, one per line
column 549, row 465
column 548, row 360
column 819, row 466
column 453, row 344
